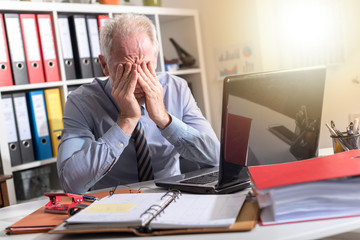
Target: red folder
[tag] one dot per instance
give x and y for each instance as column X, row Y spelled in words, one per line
column 102, row 20
column 5, row 67
column 32, row 48
column 48, row 49
column 344, row 164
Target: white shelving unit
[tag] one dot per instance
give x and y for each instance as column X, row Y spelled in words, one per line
column 180, row 24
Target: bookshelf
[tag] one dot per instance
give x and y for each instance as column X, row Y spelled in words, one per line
column 180, row 24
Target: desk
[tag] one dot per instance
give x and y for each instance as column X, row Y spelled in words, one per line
column 306, row 230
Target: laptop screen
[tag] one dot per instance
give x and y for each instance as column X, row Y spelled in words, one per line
column 276, row 116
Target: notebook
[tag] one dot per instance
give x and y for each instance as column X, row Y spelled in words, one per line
column 267, row 118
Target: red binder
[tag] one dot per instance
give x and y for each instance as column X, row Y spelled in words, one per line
column 102, row 20
column 5, row 67
column 344, row 164
column 48, row 49
column 32, row 48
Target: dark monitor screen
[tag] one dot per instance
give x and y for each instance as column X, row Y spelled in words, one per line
column 276, row 116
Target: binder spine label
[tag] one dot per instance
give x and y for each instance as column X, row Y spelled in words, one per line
column 22, row 118
column 65, row 38
column 81, row 37
column 3, row 53
column 16, row 49
column 40, row 115
column 31, row 38
column 46, row 38
column 9, row 119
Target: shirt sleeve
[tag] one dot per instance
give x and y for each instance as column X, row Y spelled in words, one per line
column 189, row 132
column 82, row 160
column 199, row 145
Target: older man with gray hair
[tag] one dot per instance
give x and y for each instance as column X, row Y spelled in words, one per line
column 134, row 125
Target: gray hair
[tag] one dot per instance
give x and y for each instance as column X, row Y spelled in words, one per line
column 126, row 25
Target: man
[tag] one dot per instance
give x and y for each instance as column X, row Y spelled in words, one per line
column 97, row 149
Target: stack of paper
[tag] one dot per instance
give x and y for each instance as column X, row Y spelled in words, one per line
column 318, row 188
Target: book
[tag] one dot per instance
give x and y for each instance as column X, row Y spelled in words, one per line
column 312, row 189
column 146, row 211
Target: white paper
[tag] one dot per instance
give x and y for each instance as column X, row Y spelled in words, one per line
column 46, row 38
column 65, row 38
column 9, row 119
column 31, row 39
column 309, row 201
column 119, row 208
column 15, row 40
column 82, row 38
column 22, row 118
column 187, row 211
column 40, row 115
column 196, row 211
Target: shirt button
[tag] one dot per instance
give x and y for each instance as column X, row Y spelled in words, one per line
column 168, row 137
column 121, row 145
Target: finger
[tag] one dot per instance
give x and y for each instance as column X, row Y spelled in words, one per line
column 118, row 75
column 129, row 83
column 151, row 69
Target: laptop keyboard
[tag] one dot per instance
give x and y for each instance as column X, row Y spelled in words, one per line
column 203, row 179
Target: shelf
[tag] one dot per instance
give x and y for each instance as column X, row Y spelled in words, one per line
column 33, row 164
column 30, row 86
column 179, row 24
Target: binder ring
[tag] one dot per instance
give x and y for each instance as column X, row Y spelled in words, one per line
column 86, row 61
column 43, row 141
column 153, row 210
column 68, row 62
column 173, row 193
column 19, row 65
column 58, row 137
column 35, row 65
column 96, row 60
column 3, row 67
column 26, row 144
column 12, row 146
column 51, row 63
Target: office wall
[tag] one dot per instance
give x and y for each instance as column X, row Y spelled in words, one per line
column 223, row 23
column 229, row 22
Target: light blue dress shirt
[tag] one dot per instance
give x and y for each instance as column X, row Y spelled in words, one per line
column 95, row 153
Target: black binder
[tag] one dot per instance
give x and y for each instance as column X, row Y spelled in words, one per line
column 11, row 130
column 80, row 42
column 23, row 127
column 16, row 48
column 94, row 43
column 66, row 45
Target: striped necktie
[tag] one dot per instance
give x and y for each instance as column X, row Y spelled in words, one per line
column 145, row 171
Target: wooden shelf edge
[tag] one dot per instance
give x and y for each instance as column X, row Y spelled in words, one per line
column 36, row 163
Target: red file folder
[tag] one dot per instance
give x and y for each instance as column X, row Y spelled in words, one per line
column 32, row 48
column 5, row 67
column 48, row 49
column 101, row 20
column 340, row 165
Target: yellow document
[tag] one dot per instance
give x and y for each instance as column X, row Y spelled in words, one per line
column 55, row 114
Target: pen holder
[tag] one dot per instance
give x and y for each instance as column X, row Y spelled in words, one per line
column 346, row 142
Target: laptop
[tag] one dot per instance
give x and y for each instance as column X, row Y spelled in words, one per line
column 267, row 118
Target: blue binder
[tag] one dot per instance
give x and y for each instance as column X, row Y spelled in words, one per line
column 39, row 124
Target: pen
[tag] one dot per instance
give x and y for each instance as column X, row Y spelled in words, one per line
column 89, row 198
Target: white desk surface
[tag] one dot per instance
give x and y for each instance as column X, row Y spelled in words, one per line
column 306, row 230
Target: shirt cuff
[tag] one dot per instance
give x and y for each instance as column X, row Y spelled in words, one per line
column 176, row 130
column 116, row 139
